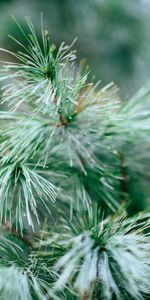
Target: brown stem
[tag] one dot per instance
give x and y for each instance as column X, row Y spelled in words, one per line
column 94, row 297
column 7, row 226
column 62, row 119
column 85, row 296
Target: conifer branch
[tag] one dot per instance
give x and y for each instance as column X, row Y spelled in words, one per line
column 68, row 147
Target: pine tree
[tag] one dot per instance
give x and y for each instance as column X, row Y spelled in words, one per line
column 74, row 174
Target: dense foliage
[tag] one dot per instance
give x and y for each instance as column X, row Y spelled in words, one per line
column 74, row 173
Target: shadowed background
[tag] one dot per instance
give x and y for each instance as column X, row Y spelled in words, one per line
column 113, row 35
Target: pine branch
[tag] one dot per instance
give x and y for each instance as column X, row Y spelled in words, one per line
column 112, row 253
column 21, row 188
column 62, row 131
column 20, row 275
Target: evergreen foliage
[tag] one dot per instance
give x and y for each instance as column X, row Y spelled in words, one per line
column 74, row 197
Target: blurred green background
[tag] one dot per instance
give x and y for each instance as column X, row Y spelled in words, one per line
column 113, row 35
